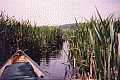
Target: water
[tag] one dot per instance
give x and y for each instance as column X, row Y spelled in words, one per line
column 57, row 68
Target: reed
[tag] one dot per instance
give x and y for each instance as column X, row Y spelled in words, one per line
column 40, row 40
column 93, row 45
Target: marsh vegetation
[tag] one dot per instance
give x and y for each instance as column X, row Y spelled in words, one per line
column 93, row 45
column 94, row 48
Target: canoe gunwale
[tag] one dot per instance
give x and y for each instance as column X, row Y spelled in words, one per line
column 39, row 72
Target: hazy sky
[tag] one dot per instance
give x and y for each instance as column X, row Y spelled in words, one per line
column 46, row 12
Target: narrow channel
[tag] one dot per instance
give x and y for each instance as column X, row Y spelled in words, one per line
column 57, row 68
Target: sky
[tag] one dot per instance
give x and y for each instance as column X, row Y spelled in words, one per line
column 57, row 12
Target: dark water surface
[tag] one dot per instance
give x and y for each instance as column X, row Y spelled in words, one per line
column 56, row 66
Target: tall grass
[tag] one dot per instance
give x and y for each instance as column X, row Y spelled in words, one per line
column 93, row 44
column 22, row 35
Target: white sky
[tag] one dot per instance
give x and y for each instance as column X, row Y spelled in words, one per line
column 56, row 12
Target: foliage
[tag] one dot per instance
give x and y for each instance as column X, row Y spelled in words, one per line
column 93, row 45
column 22, row 35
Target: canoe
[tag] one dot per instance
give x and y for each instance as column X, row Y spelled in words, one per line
column 21, row 58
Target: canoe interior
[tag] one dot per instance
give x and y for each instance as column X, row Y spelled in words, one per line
column 19, row 71
column 21, row 57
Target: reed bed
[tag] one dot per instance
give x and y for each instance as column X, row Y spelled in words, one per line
column 39, row 40
column 94, row 48
column 93, row 44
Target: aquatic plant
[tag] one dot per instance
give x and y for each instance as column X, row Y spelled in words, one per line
column 93, row 45
column 38, row 40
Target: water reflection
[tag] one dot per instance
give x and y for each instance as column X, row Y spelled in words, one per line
column 57, row 66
